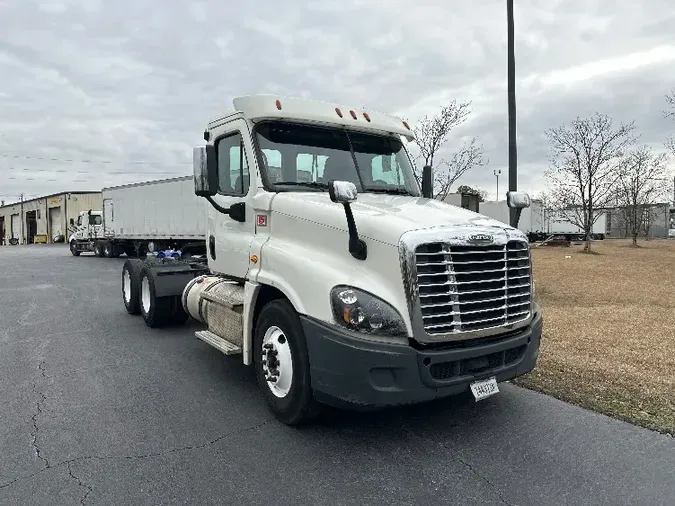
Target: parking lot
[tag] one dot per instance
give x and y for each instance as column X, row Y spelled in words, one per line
column 99, row 409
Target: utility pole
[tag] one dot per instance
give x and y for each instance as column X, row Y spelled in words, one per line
column 21, row 218
column 511, row 100
column 496, row 172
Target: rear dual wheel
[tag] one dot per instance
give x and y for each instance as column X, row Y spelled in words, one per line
column 139, row 296
column 159, row 311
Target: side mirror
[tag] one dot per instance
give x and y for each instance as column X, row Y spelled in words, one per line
column 205, row 170
column 342, row 191
column 427, row 182
column 518, row 200
column 72, row 222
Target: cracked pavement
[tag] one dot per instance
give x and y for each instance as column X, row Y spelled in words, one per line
column 99, row 409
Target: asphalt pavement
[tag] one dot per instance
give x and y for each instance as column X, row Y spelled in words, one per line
column 95, row 408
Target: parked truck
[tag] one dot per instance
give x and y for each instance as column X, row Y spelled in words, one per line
column 144, row 217
column 332, row 275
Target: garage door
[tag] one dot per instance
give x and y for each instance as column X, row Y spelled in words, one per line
column 16, row 226
column 55, row 222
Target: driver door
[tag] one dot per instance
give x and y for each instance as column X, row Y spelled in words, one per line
column 228, row 240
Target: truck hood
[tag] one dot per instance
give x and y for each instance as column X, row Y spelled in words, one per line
column 383, row 218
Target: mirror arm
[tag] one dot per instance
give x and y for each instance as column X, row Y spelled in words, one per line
column 357, row 247
column 217, row 206
column 515, row 216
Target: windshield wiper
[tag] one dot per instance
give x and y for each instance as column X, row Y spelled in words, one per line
column 392, row 191
column 307, row 184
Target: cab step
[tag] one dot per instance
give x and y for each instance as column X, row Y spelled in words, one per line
column 218, row 342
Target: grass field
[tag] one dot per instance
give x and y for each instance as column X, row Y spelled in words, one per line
column 609, row 329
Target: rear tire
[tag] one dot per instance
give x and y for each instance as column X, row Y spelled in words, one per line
column 156, row 311
column 290, row 397
column 131, row 282
column 73, row 249
column 108, row 250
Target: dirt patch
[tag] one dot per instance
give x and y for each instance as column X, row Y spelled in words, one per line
column 609, row 329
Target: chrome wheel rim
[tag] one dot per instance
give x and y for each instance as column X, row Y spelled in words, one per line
column 277, row 362
column 126, row 286
column 145, row 295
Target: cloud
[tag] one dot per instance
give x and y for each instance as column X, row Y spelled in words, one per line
column 133, row 84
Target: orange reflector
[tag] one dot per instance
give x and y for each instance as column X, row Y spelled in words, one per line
column 338, row 111
column 279, row 104
column 365, row 115
column 405, row 124
column 254, row 259
column 345, row 315
column 353, row 114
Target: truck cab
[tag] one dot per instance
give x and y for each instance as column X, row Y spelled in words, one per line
column 332, row 274
column 87, row 228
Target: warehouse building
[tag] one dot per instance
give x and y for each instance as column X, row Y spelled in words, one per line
column 44, row 219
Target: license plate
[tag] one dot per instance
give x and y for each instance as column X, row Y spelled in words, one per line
column 484, row 388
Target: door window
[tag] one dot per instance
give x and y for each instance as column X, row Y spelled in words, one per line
column 232, row 165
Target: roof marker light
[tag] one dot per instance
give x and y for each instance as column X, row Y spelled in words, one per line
column 353, row 114
column 367, row 116
column 338, row 111
column 405, row 124
column 279, row 104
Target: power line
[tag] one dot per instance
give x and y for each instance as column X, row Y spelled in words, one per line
column 76, row 160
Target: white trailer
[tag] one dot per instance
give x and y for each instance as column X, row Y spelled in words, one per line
column 540, row 224
column 531, row 218
column 331, row 273
column 142, row 217
column 561, row 224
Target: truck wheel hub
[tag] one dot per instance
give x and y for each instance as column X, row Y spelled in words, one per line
column 277, row 362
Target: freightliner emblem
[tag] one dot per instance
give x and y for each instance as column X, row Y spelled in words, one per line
column 480, row 238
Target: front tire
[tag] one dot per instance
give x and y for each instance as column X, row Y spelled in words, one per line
column 73, row 249
column 156, row 311
column 281, row 363
column 98, row 249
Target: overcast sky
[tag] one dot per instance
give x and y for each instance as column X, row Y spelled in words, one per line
column 132, row 83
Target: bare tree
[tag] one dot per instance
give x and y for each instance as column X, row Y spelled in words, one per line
column 431, row 134
column 641, row 183
column 585, row 167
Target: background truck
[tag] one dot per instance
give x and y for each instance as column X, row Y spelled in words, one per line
column 332, row 275
column 143, row 217
column 540, row 224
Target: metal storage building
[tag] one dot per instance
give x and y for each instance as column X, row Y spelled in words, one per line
column 44, row 219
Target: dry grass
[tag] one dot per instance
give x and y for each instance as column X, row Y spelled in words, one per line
column 609, row 329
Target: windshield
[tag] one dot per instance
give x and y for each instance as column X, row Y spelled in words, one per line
column 305, row 158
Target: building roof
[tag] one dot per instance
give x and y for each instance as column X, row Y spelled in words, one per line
column 48, row 197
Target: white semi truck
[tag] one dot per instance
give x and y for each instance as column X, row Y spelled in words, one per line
column 332, row 275
column 143, row 217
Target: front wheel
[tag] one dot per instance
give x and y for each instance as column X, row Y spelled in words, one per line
column 73, row 249
column 281, row 362
column 98, row 249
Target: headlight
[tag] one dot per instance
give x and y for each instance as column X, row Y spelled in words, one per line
column 363, row 312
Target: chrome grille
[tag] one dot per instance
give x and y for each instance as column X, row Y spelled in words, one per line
column 469, row 288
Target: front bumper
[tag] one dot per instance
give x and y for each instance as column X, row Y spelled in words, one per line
column 348, row 370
